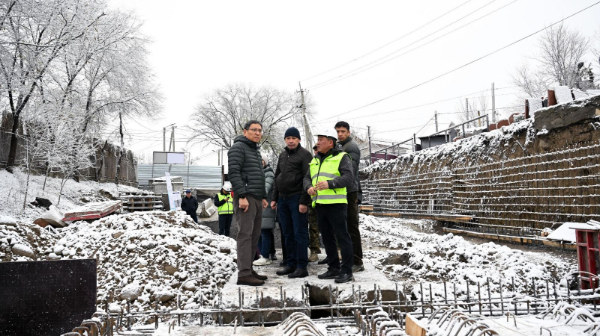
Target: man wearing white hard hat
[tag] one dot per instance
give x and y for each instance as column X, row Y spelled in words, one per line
column 224, row 202
column 330, row 173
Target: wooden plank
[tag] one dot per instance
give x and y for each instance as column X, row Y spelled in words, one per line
column 413, row 328
column 440, row 217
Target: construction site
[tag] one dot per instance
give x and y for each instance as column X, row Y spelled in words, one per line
column 491, row 234
column 135, row 134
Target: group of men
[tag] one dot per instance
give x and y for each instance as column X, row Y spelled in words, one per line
column 326, row 182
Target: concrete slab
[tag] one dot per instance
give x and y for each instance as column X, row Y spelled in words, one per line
column 318, row 288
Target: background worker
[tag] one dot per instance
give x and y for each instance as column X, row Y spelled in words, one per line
column 313, row 229
column 347, row 144
column 224, row 202
column 267, row 241
column 189, row 204
column 330, row 173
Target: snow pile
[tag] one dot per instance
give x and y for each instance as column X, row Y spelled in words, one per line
column 422, row 256
column 145, row 258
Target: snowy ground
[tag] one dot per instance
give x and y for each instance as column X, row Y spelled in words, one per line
column 13, row 186
column 147, row 258
column 407, row 251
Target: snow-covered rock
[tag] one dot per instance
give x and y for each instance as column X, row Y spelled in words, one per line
column 23, row 250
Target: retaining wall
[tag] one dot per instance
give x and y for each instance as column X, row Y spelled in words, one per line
column 526, row 175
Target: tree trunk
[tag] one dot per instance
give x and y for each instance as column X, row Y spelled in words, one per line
column 12, row 154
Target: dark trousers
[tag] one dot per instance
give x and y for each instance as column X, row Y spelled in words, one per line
column 249, row 224
column 225, row 224
column 266, row 242
column 353, row 227
column 283, row 249
column 193, row 215
column 332, row 224
column 295, row 231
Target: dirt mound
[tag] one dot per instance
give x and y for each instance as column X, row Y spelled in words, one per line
column 147, row 258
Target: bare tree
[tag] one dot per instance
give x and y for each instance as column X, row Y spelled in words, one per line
column 222, row 115
column 561, row 51
column 532, row 83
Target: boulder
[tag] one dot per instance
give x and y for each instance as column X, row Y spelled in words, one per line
column 131, row 291
column 23, row 250
column 8, row 221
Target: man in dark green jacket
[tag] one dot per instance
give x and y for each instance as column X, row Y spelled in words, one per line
column 248, row 181
column 348, row 145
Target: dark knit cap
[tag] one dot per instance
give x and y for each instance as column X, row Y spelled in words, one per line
column 292, row 131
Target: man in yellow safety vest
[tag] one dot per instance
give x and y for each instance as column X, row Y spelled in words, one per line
column 224, row 202
column 330, row 173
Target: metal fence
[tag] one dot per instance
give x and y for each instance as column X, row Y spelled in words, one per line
column 197, row 177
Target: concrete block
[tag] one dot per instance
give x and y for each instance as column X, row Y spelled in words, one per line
column 567, row 114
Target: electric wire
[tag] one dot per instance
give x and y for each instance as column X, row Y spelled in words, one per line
column 387, row 44
column 362, row 68
column 469, row 63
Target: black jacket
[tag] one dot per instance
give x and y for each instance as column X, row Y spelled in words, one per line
column 189, row 205
column 351, row 147
column 346, row 178
column 245, row 168
column 291, row 168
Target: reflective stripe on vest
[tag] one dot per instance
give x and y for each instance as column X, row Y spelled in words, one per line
column 227, row 207
column 326, row 170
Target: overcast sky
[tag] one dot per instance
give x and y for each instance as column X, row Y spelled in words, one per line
column 202, row 45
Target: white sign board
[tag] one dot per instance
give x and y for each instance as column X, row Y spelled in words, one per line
column 174, row 197
column 168, row 157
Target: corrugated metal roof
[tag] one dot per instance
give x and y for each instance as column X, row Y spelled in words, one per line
column 200, row 177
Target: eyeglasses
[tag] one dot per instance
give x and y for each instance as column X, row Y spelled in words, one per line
column 255, row 130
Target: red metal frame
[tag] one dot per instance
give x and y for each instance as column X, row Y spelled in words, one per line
column 588, row 250
column 91, row 214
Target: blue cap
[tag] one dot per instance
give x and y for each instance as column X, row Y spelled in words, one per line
column 188, row 191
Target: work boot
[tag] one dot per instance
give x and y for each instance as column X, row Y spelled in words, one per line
column 330, row 274
column 324, row 261
column 343, row 277
column 286, row 270
column 313, row 256
column 298, row 273
column 358, row 268
column 283, row 263
column 258, row 276
column 249, row 280
column 273, row 256
column 262, row 261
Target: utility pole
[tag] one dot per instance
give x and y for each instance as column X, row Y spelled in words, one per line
column 436, row 122
column 173, row 136
column 493, row 104
column 307, row 133
column 164, row 139
column 219, row 157
column 370, row 151
column 467, row 107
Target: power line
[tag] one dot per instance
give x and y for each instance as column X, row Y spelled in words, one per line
column 387, row 44
column 425, row 104
column 358, row 70
column 469, row 63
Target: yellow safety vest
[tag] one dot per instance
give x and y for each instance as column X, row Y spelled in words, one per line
column 326, row 170
column 227, row 207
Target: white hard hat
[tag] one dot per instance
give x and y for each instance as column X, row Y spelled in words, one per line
column 227, row 186
column 326, row 132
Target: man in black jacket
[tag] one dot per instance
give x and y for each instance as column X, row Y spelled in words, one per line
column 248, row 181
column 292, row 201
column 189, row 204
column 348, row 145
